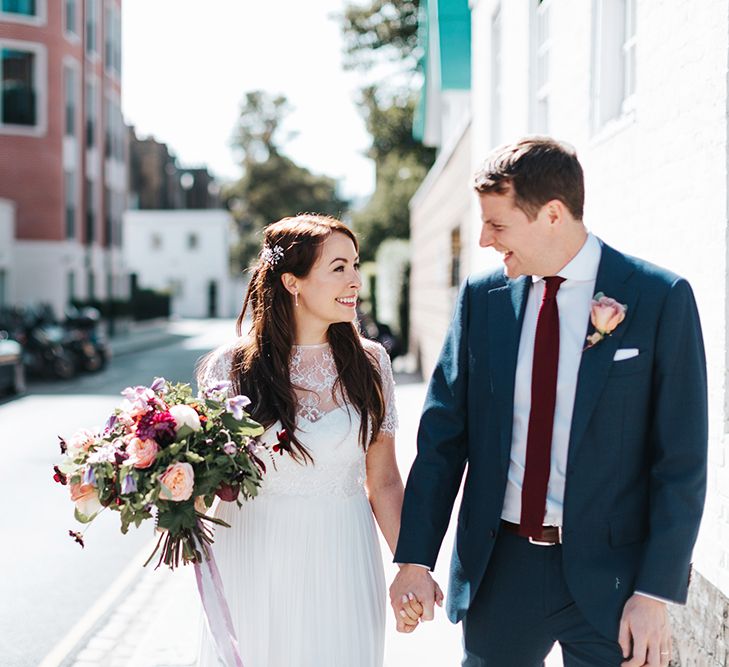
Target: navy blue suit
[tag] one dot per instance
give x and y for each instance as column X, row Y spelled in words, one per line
column 636, row 470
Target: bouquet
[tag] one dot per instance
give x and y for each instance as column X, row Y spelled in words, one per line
column 165, row 454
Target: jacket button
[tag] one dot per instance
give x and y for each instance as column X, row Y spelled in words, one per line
column 493, row 534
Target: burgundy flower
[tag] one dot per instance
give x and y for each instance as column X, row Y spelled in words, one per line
column 284, row 442
column 159, row 426
column 59, row 476
column 62, row 444
column 78, row 537
column 227, row 492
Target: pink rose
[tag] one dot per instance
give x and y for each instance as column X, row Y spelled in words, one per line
column 177, row 482
column 86, row 498
column 142, row 453
column 606, row 314
column 81, row 441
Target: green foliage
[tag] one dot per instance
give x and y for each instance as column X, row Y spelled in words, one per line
column 272, row 186
column 387, row 214
column 380, row 29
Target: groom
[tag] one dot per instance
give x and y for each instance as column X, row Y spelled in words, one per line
column 582, row 425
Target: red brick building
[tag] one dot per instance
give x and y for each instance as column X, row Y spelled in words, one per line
column 63, row 147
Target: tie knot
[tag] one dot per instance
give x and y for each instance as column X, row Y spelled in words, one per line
column 552, row 285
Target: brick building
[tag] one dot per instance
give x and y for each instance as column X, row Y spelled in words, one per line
column 640, row 89
column 63, row 148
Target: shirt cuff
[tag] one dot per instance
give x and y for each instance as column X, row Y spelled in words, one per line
column 418, row 564
column 653, row 597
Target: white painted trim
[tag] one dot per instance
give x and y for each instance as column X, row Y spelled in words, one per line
column 40, row 18
column 41, row 79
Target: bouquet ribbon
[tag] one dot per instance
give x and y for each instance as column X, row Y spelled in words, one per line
column 220, row 624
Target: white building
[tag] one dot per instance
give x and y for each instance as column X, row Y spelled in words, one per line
column 7, row 240
column 640, row 89
column 185, row 253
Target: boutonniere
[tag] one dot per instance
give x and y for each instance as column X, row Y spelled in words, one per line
column 606, row 314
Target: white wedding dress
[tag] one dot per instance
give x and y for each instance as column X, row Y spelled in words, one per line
column 301, row 563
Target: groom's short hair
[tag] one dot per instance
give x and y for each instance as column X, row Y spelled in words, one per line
column 539, row 169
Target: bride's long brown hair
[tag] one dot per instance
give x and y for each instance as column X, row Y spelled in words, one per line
column 260, row 365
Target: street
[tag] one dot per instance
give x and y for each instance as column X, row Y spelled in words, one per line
column 48, row 581
column 64, row 606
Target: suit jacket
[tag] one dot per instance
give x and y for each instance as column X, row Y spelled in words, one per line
column 636, row 468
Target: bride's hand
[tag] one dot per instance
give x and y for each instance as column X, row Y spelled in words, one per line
column 411, row 612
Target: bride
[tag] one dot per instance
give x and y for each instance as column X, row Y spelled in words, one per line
column 301, row 564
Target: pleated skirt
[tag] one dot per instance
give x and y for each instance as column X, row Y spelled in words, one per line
column 304, row 581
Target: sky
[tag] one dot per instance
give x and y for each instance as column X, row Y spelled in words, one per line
column 187, row 64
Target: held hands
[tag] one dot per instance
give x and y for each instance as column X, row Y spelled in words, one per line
column 413, row 595
column 645, row 633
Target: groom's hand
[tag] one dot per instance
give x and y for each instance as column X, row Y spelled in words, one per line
column 415, row 580
column 645, row 633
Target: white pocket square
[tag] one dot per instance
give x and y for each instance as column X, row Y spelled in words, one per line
column 626, row 353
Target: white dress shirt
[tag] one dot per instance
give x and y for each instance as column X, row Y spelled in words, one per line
column 573, row 303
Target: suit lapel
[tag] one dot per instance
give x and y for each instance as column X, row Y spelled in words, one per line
column 595, row 363
column 506, row 315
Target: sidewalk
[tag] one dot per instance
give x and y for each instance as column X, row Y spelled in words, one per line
column 155, row 622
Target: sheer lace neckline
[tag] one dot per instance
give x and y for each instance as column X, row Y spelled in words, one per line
column 311, row 347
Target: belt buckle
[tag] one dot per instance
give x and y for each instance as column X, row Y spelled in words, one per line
column 540, row 543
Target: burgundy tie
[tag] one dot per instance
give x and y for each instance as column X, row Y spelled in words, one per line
column 541, row 413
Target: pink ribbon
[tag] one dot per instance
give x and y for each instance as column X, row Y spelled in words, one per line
column 220, row 624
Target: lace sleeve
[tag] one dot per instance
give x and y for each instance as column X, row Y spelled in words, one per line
column 390, row 424
column 214, row 367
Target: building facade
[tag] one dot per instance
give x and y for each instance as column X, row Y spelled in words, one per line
column 640, row 89
column 63, row 148
column 185, row 253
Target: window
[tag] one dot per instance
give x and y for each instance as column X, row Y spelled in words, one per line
column 69, row 187
column 92, row 26
column 24, row 7
column 3, row 287
column 613, row 59
column 540, row 75
column 192, row 241
column 90, row 211
column 71, row 17
column 91, row 282
column 455, row 257
column 496, row 78
column 19, row 93
column 90, row 114
column 71, row 285
column 70, row 83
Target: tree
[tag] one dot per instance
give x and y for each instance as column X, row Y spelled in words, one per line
column 401, row 164
column 272, row 186
column 380, row 30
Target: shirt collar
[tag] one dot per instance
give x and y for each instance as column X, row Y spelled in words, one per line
column 583, row 266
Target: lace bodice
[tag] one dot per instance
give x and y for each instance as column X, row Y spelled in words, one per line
column 327, row 425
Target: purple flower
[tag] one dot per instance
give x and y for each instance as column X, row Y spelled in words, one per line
column 138, row 397
column 110, row 423
column 230, row 448
column 218, row 387
column 236, row 404
column 89, row 476
column 159, row 385
column 158, row 426
column 129, row 485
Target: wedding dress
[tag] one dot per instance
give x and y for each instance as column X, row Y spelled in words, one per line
column 301, row 564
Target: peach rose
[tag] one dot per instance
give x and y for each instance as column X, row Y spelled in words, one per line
column 81, row 441
column 177, row 482
column 606, row 314
column 86, row 498
column 142, row 452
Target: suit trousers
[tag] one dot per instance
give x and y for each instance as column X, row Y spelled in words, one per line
column 523, row 606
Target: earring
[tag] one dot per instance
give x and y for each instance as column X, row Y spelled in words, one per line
column 296, row 299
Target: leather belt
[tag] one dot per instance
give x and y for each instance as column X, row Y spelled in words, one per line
column 551, row 535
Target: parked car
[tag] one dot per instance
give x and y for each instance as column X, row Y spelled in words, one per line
column 12, row 371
